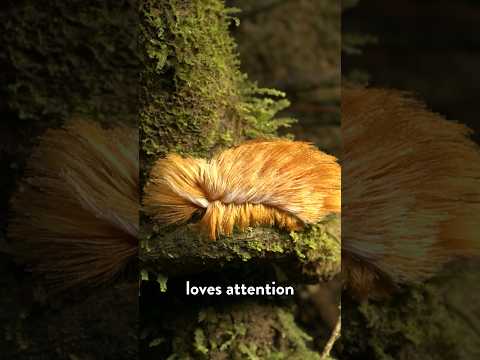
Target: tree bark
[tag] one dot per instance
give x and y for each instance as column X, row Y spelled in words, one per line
column 195, row 102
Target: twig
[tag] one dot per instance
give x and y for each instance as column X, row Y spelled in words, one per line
column 333, row 338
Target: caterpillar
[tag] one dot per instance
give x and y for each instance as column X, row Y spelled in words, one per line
column 75, row 215
column 411, row 191
column 265, row 182
column 410, row 205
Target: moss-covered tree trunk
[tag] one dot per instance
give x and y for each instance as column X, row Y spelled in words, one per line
column 195, row 101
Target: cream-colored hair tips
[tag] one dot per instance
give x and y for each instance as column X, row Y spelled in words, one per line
column 271, row 182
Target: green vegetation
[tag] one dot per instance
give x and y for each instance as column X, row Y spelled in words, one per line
column 195, row 99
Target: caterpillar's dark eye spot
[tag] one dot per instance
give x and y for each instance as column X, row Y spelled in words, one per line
column 197, row 216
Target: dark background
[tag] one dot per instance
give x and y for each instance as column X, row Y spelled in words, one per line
column 430, row 48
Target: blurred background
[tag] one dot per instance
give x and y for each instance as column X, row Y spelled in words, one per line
column 430, row 48
column 294, row 46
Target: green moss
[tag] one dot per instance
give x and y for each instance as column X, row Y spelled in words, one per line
column 319, row 247
column 200, row 343
column 421, row 322
column 296, row 336
column 75, row 57
column 275, row 336
column 258, row 245
column 317, row 242
column 393, row 325
column 162, row 282
column 195, row 99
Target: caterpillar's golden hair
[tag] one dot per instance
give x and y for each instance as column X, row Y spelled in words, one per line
column 271, row 182
column 411, row 190
column 75, row 215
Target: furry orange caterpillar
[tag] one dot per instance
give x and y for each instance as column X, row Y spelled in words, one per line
column 269, row 182
column 75, row 215
column 411, row 191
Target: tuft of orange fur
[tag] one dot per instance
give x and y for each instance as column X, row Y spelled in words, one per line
column 271, row 182
column 76, row 214
column 411, row 190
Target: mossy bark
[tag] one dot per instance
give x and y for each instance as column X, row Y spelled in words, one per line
column 435, row 320
column 304, row 256
column 196, row 101
column 243, row 330
column 61, row 59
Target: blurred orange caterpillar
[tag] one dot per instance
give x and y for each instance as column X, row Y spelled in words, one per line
column 411, row 191
column 75, row 215
column 269, row 182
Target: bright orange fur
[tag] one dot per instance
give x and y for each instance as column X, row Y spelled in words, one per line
column 76, row 212
column 271, row 182
column 411, row 190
